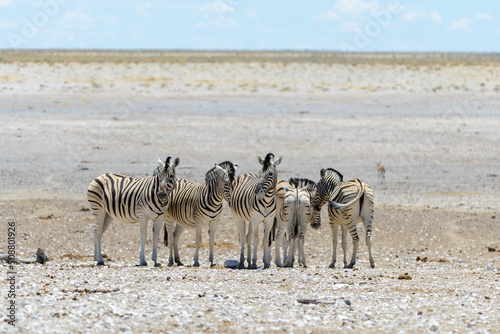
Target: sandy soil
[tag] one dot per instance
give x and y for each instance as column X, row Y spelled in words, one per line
column 434, row 125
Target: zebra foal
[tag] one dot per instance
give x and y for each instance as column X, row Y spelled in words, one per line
column 131, row 200
column 252, row 201
column 194, row 205
column 349, row 203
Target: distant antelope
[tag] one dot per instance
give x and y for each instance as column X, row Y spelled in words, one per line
column 381, row 173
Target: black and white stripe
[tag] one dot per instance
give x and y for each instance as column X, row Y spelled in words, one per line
column 252, row 201
column 349, row 202
column 131, row 200
column 194, row 205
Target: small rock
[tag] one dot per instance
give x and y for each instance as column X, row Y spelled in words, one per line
column 340, row 286
column 233, row 264
column 405, row 276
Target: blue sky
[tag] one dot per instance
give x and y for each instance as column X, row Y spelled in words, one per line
column 339, row 25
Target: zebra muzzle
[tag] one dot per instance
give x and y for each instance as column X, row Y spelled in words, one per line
column 162, row 195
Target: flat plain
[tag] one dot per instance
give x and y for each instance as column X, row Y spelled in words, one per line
column 433, row 121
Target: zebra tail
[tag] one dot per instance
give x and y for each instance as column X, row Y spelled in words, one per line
column 336, row 205
column 165, row 235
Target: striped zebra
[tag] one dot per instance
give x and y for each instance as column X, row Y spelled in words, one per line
column 306, row 191
column 293, row 213
column 194, row 205
column 131, row 200
column 252, row 201
column 349, row 203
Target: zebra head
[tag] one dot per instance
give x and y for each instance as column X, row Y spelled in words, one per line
column 229, row 172
column 166, row 174
column 268, row 175
column 325, row 189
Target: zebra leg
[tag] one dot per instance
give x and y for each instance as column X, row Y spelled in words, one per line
column 268, row 224
column 240, row 226
column 334, row 227
column 254, row 230
column 101, row 221
column 278, row 244
column 143, row 226
column 199, row 230
column 211, row 241
column 249, row 243
column 169, row 231
column 157, row 224
column 366, row 217
column 177, row 236
column 290, row 256
column 301, row 240
column 344, row 243
column 355, row 243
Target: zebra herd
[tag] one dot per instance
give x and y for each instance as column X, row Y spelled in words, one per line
column 284, row 208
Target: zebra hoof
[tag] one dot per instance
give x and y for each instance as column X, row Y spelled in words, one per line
column 158, row 264
column 241, row 265
column 180, row 264
column 213, row 265
column 252, row 266
column 332, row 266
column 196, row 264
column 372, row 265
column 100, row 263
column 145, row 264
column 350, row 266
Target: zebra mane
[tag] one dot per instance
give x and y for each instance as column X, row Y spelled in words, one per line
column 302, row 183
column 230, row 168
column 212, row 174
column 268, row 160
column 332, row 177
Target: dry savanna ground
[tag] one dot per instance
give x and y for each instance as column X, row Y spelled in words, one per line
column 431, row 119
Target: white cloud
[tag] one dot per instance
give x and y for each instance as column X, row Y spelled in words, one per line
column 218, row 9
column 142, row 10
column 483, row 16
column 74, row 20
column 327, row 16
column 356, row 7
column 349, row 9
column 417, row 14
column 253, row 15
column 463, row 24
column 5, row 3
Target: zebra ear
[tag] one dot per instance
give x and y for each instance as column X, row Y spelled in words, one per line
column 235, row 167
column 160, row 162
column 322, row 173
column 176, row 162
column 277, row 162
column 260, row 161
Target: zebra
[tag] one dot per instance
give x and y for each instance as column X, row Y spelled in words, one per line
column 131, row 200
column 306, row 191
column 252, row 201
column 349, row 202
column 195, row 204
column 293, row 213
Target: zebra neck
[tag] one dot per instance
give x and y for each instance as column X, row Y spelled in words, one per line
column 213, row 189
